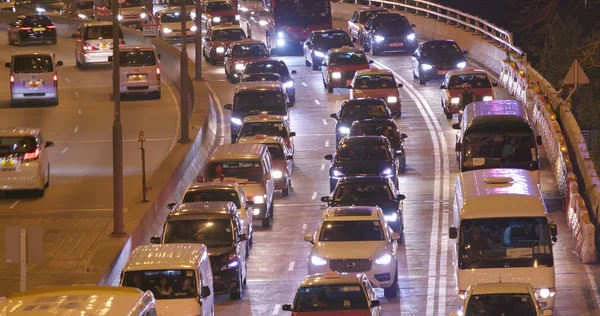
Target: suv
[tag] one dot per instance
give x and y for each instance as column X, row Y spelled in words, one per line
column 389, row 32
column 370, row 191
column 31, row 29
column 358, row 109
column 356, row 240
column 139, row 70
column 93, row 43
column 241, row 52
column 218, row 226
column 273, row 66
column 33, row 77
column 383, row 127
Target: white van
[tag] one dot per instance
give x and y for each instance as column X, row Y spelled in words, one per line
column 33, row 77
column 80, row 300
column 179, row 276
column 139, row 70
column 500, row 232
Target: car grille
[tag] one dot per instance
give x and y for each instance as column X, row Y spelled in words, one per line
column 34, row 94
column 350, row 265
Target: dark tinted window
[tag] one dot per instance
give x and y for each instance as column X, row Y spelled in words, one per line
column 100, row 32
column 362, row 194
column 330, row 298
column 249, row 50
column 265, row 128
column 137, row 58
column 211, row 232
column 501, row 304
column 391, row 21
column 17, row 144
column 440, row 48
column 236, row 171
column 375, row 151
column 384, row 129
column 175, row 283
column 276, row 152
column 133, row 3
column 477, row 81
column 219, row 6
column 485, row 150
column 362, row 111
column 364, row 16
column 259, row 101
column 375, row 82
column 36, row 20
column 212, row 196
column 32, row 64
column 173, row 17
column 353, row 58
column 276, row 67
column 351, row 231
column 262, row 77
column 334, row 38
column 228, row 35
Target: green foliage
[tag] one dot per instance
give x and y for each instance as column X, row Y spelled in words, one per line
column 563, row 36
column 586, row 108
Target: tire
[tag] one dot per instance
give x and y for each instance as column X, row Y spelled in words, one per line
column 268, row 222
column 10, row 42
column 329, row 89
column 84, row 66
column 54, row 101
column 240, row 292
column 306, row 62
column 54, row 41
column 402, row 168
column 47, row 184
column 157, row 95
column 77, row 63
column 40, row 193
column 421, row 80
column 374, row 52
column 448, row 115
column 315, row 66
column 286, row 191
column 392, row 290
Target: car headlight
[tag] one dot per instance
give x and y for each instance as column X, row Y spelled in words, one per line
column 487, row 98
column 236, row 121
column 280, row 35
column 259, row 199
column 385, row 259
column 193, row 28
column 40, row 10
column 277, row 174
column 280, row 42
column 237, row 17
column 317, row 261
column 426, row 66
column 337, row 173
column 392, row 99
column 289, row 84
column 454, row 100
column 319, row 54
column 230, row 265
column 220, row 50
column 143, row 15
column 263, row 22
column 379, row 38
column 82, row 16
column 167, row 30
column 239, row 66
column 216, row 19
column 387, row 172
column 336, row 75
column 411, row 37
column 462, row 64
column 119, row 17
column 391, row 218
column 344, row 130
column 193, row 15
column 545, row 292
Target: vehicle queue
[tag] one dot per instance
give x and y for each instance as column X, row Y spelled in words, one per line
column 355, row 247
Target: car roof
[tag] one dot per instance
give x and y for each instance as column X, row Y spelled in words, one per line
column 221, row 208
column 368, row 101
column 238, row 152
column 496, row 113
column 267, row 61
column 371, row 8
column 212, row 185
column 165, row 257
column 345, row 49
column 262, row 139
column 352, row 213
column 439, row 41
column 30, row 53
column 259, row 86
column 363, row 139
column 374, row 122
column 320, row 279
column 373, row 71
column 499, row 288
column 19, row 131
column 130, row 48
column 264, row 118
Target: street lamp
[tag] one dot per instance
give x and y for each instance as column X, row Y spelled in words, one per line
column 117, row 129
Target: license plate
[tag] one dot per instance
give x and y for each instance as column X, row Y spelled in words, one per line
column 442, row 72
column 397, row 44
column 136, row 77
column 104, row 46
column 39, row 29
column 34, row 84
column 8, row 164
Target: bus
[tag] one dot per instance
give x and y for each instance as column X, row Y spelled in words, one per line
column 284, row 25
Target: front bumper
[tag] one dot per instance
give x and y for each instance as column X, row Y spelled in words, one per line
column 224, row 281
column 24, row 178
column 380, row 275
column 96, row 57
column 216, row 56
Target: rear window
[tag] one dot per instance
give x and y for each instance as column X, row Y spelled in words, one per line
column 212, row 196
column 249, row 50
column 32, row 64
column 219, row 6
column 17, row 145
column 137, row 58
column 344, row 59
column 228, row 35
column 100, row 32
column 36, row 20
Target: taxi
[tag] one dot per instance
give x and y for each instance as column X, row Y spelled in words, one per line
column 451, row 88
column 216, row 12
column 218, row 39
column 360, row 17
column 270, row 125
column 281, row 158
column 241, row 52
column 335, row 293
column 169, row 25
column 377, row 83
column 340, row 65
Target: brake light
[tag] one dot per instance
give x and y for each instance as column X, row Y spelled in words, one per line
column 157, row 73
column 12, row 81
column 32, row 156
column 89, row 47
column 25, row 28
column 50, row 27
column 55, row 80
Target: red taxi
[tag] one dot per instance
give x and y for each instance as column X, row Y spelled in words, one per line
column 281, row 158
column 241, row 52
column 335, row 294
column 218, row 39
column 377, row 83
column 340, row 64
column 480, row 83
column 269, row 125
column 216, row 12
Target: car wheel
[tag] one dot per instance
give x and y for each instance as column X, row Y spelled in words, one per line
column 286, row 191
column 421, row 79
column 239, row 292
column 157, row 95
column 314, row 65
column 47, row 184
column 40, row 193
column 84, row 66
column 54, row 101
column 54, row 41
column 10, row 42
column 373, row 50
column 402, row 168
column 448, row 114
column 77, row 63
column 332, row 184
column 392, row 290
column 306, row 62
column 268, row 221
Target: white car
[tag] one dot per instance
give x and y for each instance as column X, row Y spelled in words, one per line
column 169, row 25
column 356, row 240
column 139, row 71
column 33, row 77
column 24, row 161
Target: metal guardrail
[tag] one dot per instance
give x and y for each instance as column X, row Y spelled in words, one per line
column 467, row 21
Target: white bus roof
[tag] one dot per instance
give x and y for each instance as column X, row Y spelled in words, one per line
column 165, row 257
column 489, row 193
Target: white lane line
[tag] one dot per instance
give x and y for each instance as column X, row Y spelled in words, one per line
column 317, row 102
column 67, row 80
column 326, row 143
column 322, row 167
column 75, row 129
column 64, row 150
column 304, row 226
column 14, row 204
column 314, row 196
column 592, row 283
column 177, row 113
column 291, row 266
column 324, row 122
column 304, row 84
column 78, row 110
column 276, row 309
column 77, row 94
column 221, row 115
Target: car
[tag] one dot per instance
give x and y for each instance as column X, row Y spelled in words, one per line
column 33, row 28
column 218, row 226
column 502, row 299
column 356, row 239
column 340, row 65
column 320, row 41
column 377, row 83
column 216, row 12
column 169, row 25
column 371, row 191
column 387, row 32
column 47, row 7
column 358, row 109
column 33, row 77
column 139, row 70
column 383, row 127
column 241, row 52
column 451, row 88
column 335, row 292
column 269, row 125
column 83, row 9
column 24, row 162
column 254, row 98
column 261, row 76
column 93, row 43
column 218, row 39
column 359, row 19
column 434, row 59
column 281, row 159
column 274, row 66
column 362, row 156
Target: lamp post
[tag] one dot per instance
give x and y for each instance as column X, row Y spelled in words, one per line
column 117, row 130
column 142, row 139
column 184, row 101
column 199, row 41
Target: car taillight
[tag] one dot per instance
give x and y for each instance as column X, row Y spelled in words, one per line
column 12, row 81
column 50, row 27
column 25, row 28
column 157, row 73
column 89, row 47
column 32, row 156
column 55, row 80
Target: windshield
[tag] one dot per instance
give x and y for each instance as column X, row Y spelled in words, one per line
column 177, row 3
column 344, row 59
column 17, row 145
column 272, row 67
column 241, row 172
column 137, row 58
column 249, row 50
column 505, row 242
column 164, row 284
column 387, row 130
column 228, row 35
column 363, row 194
column 84, row 5
column 276, row 152
column 351, row 231
column 440, row 48
column 36, row 21
column 302, row 12
column 364, row 16
column 212, row 196
column 48, row 1
column 100, row 32
column 259, row 101
column 133, row 3
column 173, row 17
column 375, row 82
column 363, row 152
column 330, row 297
column 262, row 77
column 501, row 304
column 264, row 128
column 219, row 6
column 331, row 39
column 499, row 150
column 477, row 81
column 360, row 112
column 210, row 231
column 32, row 64
column 392, row 22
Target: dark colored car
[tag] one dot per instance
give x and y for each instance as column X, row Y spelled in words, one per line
column 31, row 29
column 434, row 59
column 370, row 191
column 319, row 42
column 389, row 32
column 383, row 127
column 358, row 109
column 362, row 156
column 274, row 66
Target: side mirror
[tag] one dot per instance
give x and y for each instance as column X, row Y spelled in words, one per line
column 465, row 52
column 400, row 85
column 199, row 179
column 538, row 140
column 309, row 43
column 309, row 238
column 396, row 113
column 48, row 144
column 349, row 87
column 242, row 237
column 59, row 63
column 207, row 38
column 7, row 65
column 294, row 72
column 73, row 35
column 289, row 157
column 171, row 205
column 395, row 236
column 456, row 126
column 332, row 115
column 204, row 292
column 371, row 61
column 452, row 232
column 375, row 303
column 326, row 199
column 328, row 157
column 155, row 240
column 403, row 136
column 553, row 229
column 415, row 55
column 494, row 84
column 228, row 106
column 401, row 197
column 249, row 203
column 110, row 59
column 292, row 134
column 286, row 307
column 443, row 86
column 458, row 147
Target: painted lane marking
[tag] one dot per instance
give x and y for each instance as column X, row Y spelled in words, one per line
column 14, row 204
column 326, row 143
column 324, row 122
column 304, row 84
column 64, row 150
column 314, row 196
column 291, row 266
column 317, row 102
column 276, row 309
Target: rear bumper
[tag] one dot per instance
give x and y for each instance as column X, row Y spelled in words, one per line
column 96, row 57
column 140, row 87
column 26, row 95
column 21, row 179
